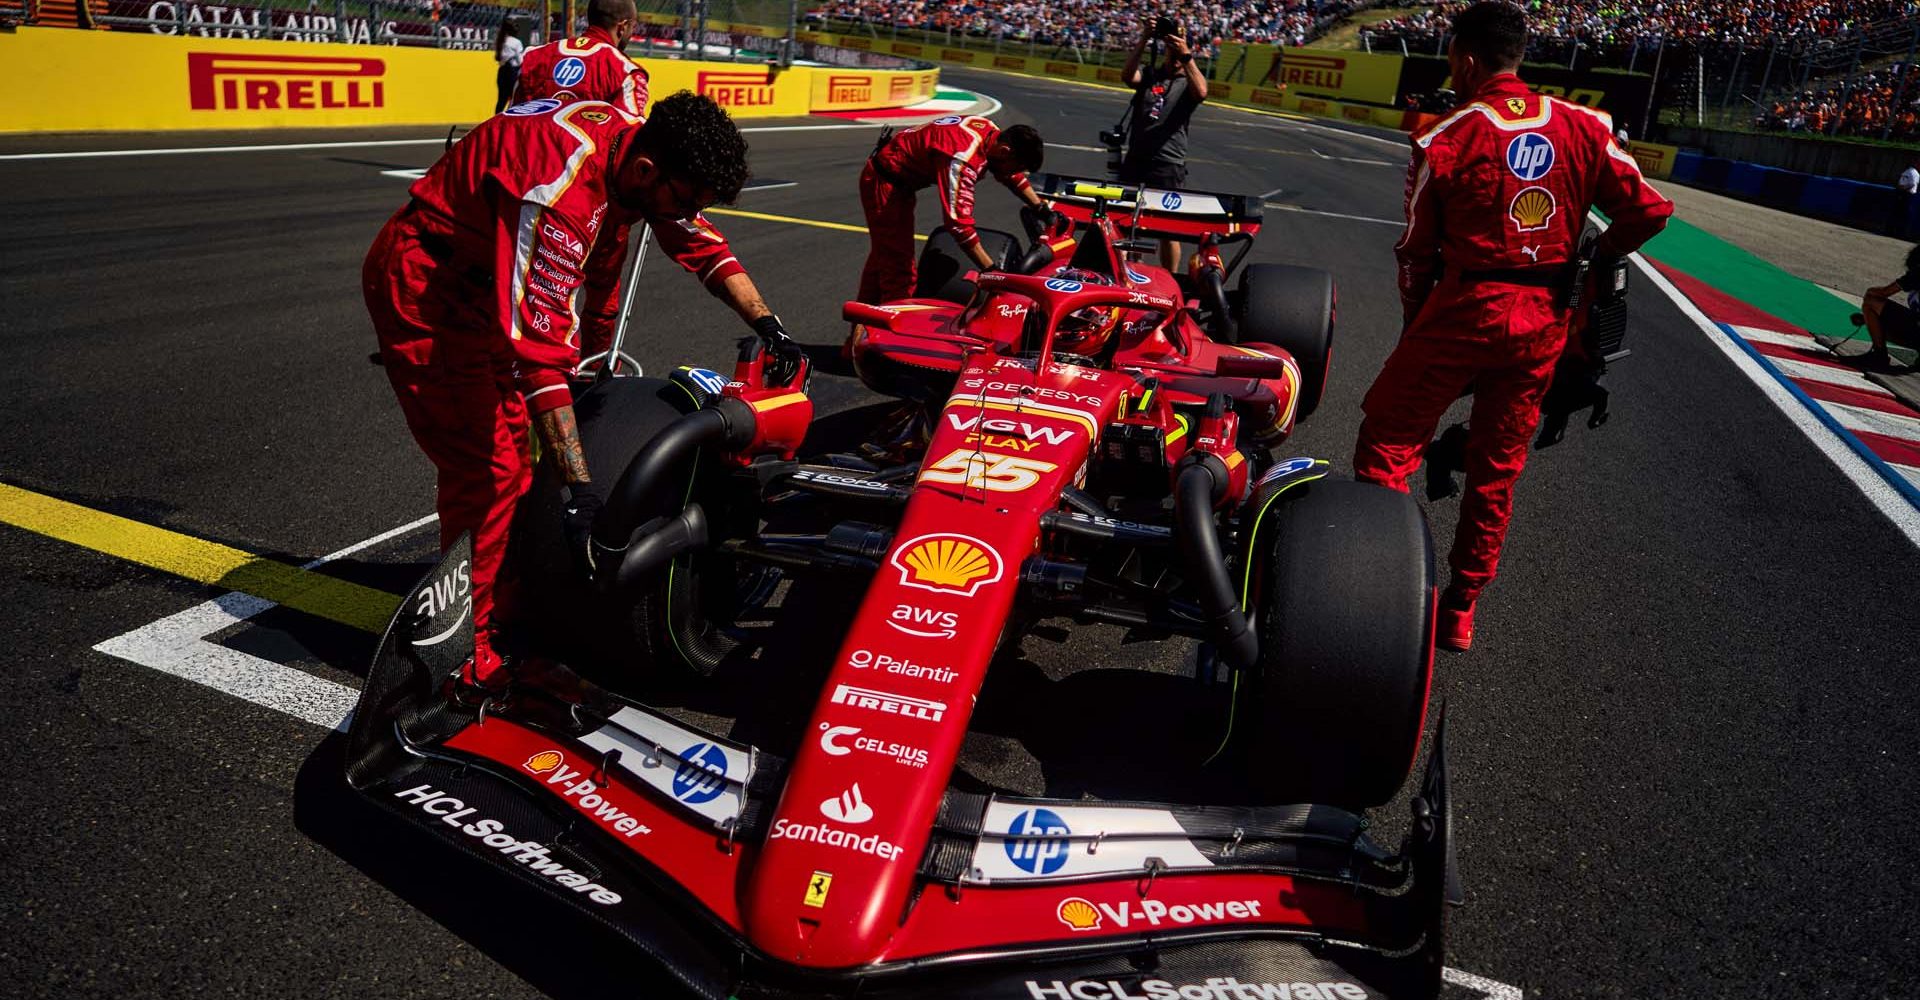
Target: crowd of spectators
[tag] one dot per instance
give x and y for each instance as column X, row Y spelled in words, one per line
column 1885, row 101
column 1619, row 25
column 1101, row 23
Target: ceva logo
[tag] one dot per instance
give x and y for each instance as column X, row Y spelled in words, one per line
column 233, row 81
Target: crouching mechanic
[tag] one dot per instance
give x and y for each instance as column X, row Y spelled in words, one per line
column 948, row 155
column 508, row 257
column 592, row 66
column 1497, row 196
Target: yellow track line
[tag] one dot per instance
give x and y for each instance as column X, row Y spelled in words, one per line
column 199, row 560
column 816, row 223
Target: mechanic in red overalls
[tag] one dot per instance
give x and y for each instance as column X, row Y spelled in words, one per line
column 948, row 155
column 589, row 67
column 484, row 286
column 1497, row 195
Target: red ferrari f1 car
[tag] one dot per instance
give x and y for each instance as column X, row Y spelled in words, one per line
column 1095, row 449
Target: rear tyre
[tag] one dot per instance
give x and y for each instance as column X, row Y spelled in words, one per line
column 1291, row 308
column 943, row 261
column 1346, row 601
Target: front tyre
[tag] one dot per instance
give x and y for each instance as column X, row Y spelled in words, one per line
column 1345, row 597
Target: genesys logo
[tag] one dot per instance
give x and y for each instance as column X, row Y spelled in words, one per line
column 839, row 741
column 890, row 704
column 233, row 81
column 1216, row 988
column 492, row 833
column 924, row 623
column 1080, row 914
column 867, row 659
column 848, row 807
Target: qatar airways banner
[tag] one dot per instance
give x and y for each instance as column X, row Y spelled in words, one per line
column 406, row 26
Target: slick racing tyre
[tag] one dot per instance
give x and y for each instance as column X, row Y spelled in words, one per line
column 1291, row 308
column 555, row 611
column 1345, row 599
column 942, row 262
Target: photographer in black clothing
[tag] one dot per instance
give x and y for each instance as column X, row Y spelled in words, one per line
column 1166, row 89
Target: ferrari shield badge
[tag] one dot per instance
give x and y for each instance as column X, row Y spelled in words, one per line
column 817, row 885
column 1516, row 105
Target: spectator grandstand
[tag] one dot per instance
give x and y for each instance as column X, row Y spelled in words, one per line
column 1100, row 23
column 1878, row 104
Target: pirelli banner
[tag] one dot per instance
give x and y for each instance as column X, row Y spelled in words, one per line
column 1329, row 74
column 142, row 82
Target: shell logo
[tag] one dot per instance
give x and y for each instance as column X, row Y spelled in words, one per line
column 1078, row 914
column 1532, row 209
column 544, row 761
column 947, row 564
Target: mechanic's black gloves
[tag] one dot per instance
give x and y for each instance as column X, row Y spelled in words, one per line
column 580, row 510
column 785, row 352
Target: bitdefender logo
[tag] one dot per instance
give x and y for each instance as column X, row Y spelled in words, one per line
column 233, row 81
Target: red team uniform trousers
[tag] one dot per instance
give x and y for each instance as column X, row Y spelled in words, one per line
column 1498, row 191
column 481, row 290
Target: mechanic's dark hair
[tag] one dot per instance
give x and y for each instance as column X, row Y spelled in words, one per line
column 1028, row 151
column 695, row 140
column 1494, row 32
column 607, row 13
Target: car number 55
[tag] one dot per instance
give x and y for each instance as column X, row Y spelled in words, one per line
column 983, row 471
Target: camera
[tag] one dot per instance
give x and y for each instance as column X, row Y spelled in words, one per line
column 1116, row 143
column 1165, row 27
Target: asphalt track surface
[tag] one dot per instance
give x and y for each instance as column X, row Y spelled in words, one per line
column 1683, row 752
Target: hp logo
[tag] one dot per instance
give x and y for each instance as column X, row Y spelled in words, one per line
column 1063, row 285
column 1530, row 156
column 702, row 774
column 569, row 72
column 1037, row 841
column 1170, row 200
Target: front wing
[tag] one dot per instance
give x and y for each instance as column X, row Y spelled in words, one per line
column 650, row 827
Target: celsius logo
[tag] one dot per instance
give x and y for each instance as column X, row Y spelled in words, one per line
column 1037, row 841
column 1170, row 200
column 848, row 807
column 831, row 745
column 702, row 774
column 932, row 624
column 1063, row 285
column 1530, row 156
column 569, row 71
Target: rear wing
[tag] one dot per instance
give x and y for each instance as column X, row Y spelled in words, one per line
column 1160, row 213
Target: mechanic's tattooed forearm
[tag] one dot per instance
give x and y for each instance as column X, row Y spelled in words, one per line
column 562, row 436
column 741, row 293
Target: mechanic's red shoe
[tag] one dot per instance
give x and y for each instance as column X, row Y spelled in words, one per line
column 1454, row 630
column 484, row 673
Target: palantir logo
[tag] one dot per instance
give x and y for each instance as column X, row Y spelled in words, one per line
column 1037, row 841
column 702, row 774
column 1530, row 156
column 570, row 71
column 847, row 807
